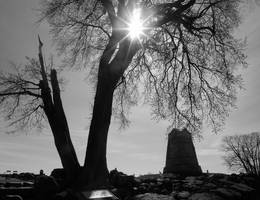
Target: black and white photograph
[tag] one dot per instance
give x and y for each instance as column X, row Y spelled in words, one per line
column 130, row 99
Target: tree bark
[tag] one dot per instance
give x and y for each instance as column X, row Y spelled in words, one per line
column 55, row 114
column 52, row 106
column 64, row 142
column 95, row 172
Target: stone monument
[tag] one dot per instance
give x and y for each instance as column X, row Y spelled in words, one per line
column 181, row 156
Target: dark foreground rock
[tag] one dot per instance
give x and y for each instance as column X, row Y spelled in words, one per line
column 45, row 187
column 150, row 187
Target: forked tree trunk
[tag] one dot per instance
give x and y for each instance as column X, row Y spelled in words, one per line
column 54, row 111
column 52, row 106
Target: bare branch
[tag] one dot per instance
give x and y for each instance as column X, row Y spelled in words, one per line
column 189, row 50
column 242, row 152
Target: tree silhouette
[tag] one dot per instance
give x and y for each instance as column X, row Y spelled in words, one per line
column 242, row 152
column 182, row 60
column 28, row 95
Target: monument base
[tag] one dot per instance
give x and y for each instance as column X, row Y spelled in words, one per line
column 183, row 170
column 181, row 156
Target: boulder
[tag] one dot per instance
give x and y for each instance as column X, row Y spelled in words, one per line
column 122, row 183
column 183, row 195
column 153, row 196
column 204, row 196
column 45, row 186
column 242, row 188
column 13, row 197
column 227, row 193
column 59, row 174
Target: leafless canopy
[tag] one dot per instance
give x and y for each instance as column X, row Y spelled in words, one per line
column 185, row 66
column 20, row 97
column 242, row 152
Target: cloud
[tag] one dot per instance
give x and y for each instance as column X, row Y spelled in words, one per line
column 209, row 152
column 145, row 156
column 28, row 153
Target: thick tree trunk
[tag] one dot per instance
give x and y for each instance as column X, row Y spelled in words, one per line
column 95, row 172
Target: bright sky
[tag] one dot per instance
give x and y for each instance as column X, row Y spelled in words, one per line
column 139, row 149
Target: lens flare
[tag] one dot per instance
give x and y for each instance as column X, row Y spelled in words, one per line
column 135, row 27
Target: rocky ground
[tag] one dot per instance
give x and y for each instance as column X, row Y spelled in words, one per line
column 176, row 187
column 208, row 186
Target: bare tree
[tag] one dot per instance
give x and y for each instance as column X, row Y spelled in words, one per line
column 182, row 59
column 185, row 58
column 28, row 95
column 242, row 152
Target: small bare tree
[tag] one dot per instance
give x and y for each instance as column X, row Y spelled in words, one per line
column 242, row 152
column 28, row 95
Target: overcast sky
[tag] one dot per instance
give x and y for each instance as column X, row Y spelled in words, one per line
column 139, row 149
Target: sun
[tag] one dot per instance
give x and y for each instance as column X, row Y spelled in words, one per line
column 135, row 26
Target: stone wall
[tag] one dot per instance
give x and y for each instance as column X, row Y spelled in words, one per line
column 203, row 187
column 207, row 186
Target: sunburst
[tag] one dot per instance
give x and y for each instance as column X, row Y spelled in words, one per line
column 136, row 25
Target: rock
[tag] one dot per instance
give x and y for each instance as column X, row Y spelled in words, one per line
column 217, row 176
column 122, row 193
column 198, row 182
column 234, row 178
column 119, row 179
column 164, row 191
column 204, row 196
column 149, row 177
column 174, row 193
column 27, row 176
column 242, row 187
column 227, row 182
column 181, row 156
column 160, row 180
column 13, row 197
column 125, row 184
column 227, row 193
column 46, row 186
column 64, row 195
column 159, row 183
column 183, row 194
column 190, row 178
column 176, row 186
column 190, row 186
column 210, row 185
column 192, row 183
column 249, row 180
column 59, row 173
column 170, row 176
column 204, row 187
column 153, row 196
